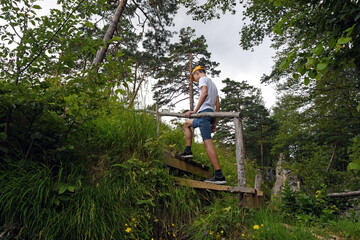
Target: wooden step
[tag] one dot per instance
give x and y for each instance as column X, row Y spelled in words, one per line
column 211, row 186
column 191, row 161
column 187, row 167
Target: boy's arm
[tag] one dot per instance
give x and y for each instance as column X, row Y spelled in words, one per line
column 202, row 98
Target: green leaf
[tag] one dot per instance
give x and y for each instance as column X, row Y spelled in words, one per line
column 353, row 166
column 321, row 66
column 62, row 189
column 332, row 43
column 311, row 61
column 306, row 81
column 318, row 50
column 89, row 24
column 149, row 201
column 36, row 7
column 284, row 64
column 301, row 69
column 3, row 136
column 344, row 40
column 116, row 39
column 295, row 76
column 71, row 188
column 312, row 74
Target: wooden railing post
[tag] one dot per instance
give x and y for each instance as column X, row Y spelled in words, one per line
column 240, row 161
column 258, row 179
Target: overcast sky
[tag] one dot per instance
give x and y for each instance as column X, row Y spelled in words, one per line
column 222, row 36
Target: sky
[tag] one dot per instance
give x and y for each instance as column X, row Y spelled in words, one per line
column 223, row 38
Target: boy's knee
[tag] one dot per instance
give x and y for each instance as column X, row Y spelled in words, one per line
column 188, row 123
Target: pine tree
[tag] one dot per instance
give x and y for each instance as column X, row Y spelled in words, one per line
column 173, row 82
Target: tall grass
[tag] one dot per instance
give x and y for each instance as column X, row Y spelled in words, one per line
column 109, row 183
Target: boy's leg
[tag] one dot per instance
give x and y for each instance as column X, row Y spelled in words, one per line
column 210, row 150
column 187, row 153
column 188, row 131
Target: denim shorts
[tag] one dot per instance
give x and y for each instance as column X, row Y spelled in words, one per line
column 204, row 124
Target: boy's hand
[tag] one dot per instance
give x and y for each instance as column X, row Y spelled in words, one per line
column 187, row 114
column 213, row 127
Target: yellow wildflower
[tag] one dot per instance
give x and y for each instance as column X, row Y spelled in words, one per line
column 125, row 225
column 172, row 225
column 211, row 232
column 222, row 232
column 256, row 227
column 262, row 225
column 133, row 219
column 174, row 235
column 128, row 230
column 243, row 235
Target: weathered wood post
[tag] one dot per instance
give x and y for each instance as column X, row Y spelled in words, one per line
column 240, row 161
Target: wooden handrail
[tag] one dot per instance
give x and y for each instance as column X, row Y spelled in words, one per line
column 198, row 115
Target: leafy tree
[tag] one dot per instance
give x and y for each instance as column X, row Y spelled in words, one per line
column 315, row 35
column 173, row 80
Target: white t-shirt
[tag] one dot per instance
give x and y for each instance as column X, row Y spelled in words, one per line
column 210, row 101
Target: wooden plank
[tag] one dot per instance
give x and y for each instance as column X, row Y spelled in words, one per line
column 187, row 167
column 211, row 186
column 192, row 162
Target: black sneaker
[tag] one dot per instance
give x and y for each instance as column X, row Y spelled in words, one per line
column 216, row 180
column 186, row 154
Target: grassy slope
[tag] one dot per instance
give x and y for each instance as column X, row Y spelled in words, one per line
column 108, row 182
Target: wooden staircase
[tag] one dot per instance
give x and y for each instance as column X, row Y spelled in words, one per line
column 253, row 197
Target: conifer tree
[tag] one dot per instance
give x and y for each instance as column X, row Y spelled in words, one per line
column 173, row 82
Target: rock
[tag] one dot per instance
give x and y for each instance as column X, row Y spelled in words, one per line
column 282, row 175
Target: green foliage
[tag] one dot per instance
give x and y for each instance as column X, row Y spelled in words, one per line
column 354, row 155
column 224, row 218
column 267, row 224
column 348, row 227
column 307, row 208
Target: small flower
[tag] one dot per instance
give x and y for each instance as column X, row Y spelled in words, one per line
column 125, row 224
column 174, row 235
column 222, row 232
column 128, row 230
column 256, row 227
column 172, row 225
column 243, row 235
column 205, row 233
column 262, row 225
column 133, row 219
column 211, row 232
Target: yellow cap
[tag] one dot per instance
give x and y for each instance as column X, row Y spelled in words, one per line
column 195, row 69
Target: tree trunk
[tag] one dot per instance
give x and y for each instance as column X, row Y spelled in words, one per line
column 332, row 157
column 100, row 55
column 135, row 92
column 191, row 91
